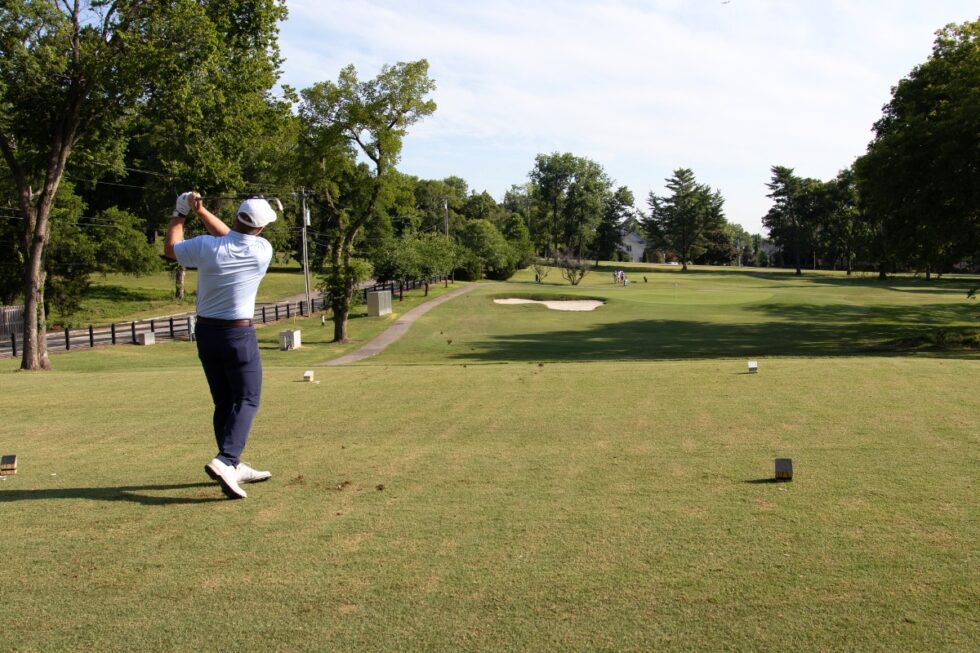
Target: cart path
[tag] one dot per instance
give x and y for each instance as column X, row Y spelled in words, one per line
column 396, row 330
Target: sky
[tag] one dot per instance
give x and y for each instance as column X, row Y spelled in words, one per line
column 727, row 89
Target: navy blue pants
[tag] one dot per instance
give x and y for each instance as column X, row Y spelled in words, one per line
column 230, row 357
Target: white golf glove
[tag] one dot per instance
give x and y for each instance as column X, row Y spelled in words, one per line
column 183, row 204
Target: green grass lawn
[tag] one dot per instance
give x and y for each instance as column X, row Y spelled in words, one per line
column 544, row 482
column 708, row 313
column 120, row 297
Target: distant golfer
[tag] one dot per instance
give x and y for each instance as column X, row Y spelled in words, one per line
column 230, row 264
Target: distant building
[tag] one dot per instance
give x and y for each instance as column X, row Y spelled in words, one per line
column 633, row 245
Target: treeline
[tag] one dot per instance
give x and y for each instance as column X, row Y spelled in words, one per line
column 912, row 202
column 106, row 115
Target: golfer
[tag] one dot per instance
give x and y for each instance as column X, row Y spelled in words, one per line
column 230, row 264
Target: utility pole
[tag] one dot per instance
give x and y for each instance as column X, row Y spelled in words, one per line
column 445, row 206
column 306, row 259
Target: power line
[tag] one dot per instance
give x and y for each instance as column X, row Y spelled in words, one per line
column 105, row 183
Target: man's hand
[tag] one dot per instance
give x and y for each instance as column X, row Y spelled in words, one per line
column 187, row 202
column 195, row 202
column 183, row 207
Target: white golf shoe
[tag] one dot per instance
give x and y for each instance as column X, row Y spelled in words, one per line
column 248, row 475
column 227, row 476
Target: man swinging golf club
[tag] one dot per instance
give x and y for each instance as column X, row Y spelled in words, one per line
column 230, row 262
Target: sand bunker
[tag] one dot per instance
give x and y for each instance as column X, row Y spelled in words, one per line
column 557, row 305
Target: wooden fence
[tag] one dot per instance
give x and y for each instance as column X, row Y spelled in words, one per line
column 11, row 320
column 175, row 327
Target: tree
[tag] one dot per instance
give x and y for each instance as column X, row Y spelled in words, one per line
column 75, row 75
column 437, row 256
column 481, row 206
column 439, row 203
column 11, row 254
column 551, row 176
column 519, row 200
column 846, row 230
column 222, row 107
column 541, row 270
column 397, row 260
column 794, row 215
column 71, row 75
column 517, row 234
column 570, row 192
column 617, row 214
column 487, row 246
column 587, row 196
column 417, row 257
column 723, row 244
column 680, row 220
column 573, row 268
column 80, row 246
column 918, row 181
column 342, row 121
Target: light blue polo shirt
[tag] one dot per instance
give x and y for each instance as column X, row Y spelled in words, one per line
column 229, row 269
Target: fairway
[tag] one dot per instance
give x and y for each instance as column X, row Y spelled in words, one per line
column 513, row 478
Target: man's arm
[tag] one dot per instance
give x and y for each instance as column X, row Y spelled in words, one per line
column 212, row 223
column 175, row 234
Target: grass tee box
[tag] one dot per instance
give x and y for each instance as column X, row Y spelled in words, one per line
column 511, row 478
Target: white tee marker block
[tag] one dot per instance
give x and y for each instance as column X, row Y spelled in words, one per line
column 753, row 367
column 784, row 469
column 308, row 375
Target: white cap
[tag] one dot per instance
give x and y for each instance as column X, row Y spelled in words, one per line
column 256, row 213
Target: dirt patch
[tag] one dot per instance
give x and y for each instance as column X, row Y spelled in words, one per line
column 556, row 305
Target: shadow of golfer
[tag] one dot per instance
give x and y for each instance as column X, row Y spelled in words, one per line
column 768, row 480
column 131, row 493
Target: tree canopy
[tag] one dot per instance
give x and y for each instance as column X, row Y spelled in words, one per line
column 77, row 80
column 681, row 220
column 343, row 121
column 920, row 179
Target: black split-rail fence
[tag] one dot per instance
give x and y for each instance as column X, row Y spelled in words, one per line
column 181, row 327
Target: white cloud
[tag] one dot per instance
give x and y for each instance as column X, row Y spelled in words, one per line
column 641, row 87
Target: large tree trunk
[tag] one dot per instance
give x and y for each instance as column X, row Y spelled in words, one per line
column 34, row 239
column 341, row 289
column 35, row 355
column 180, row 276
column 36, row 232
column 340, row 310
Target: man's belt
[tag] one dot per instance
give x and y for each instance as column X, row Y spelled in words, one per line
column 210, row 321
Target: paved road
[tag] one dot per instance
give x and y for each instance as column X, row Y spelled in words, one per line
column 396, row 330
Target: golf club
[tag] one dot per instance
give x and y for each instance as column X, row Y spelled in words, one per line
column 250, row 196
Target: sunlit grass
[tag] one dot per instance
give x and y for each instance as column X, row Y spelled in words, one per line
column 120, row 297
column 577, row 482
